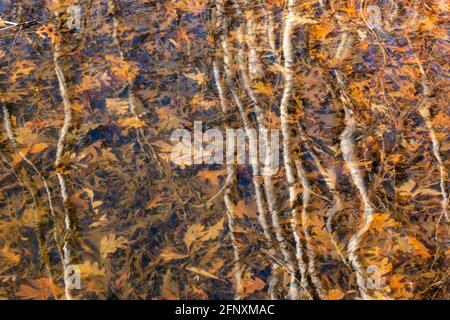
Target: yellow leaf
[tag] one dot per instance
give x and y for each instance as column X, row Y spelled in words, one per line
column 200, row 77
column 263, row 88
column 39, row 289
column 382, row 221
column 212, row 176
column 213, row 232
column 334, row 294
column 110, row 244
column 117, row 106
column 122, row 69
column 170, row 255
column 88, row 269
column 96, row 204
column 406, row 188
column 194, row 7
column 400, row 287
column 22, row 68
column 38, row 147
column 203, row 272
column 58, row 4
column 427, row 192
column 419, row 248
column 321, row 30
column 192, row 234
column 100, row 222
column 9, row 255
column 88, row 83
column 132, row 122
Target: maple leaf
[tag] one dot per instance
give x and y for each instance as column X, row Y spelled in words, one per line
column 109, row 244
column 39, row 289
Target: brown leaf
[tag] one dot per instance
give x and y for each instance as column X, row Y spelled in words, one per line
column 39, row 289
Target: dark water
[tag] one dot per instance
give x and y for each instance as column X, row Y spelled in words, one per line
column 141, row 227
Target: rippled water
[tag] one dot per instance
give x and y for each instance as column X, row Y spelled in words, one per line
column 368, row 125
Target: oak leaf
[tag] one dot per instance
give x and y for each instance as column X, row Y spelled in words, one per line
column 39, row 289
column 109, row 244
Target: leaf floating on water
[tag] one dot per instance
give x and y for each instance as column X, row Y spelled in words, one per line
column 89, row 269
column 263, row 88
column 38, row 147
column 131, row 123
column 203, row 272
column 170, row 255
column 213, row 232
column 110, row 244
column 252, row 285
column 192, row 234
column 39, row 289
column 334, row 294
column 200, row 77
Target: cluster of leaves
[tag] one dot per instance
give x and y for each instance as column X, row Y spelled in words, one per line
column 149, row 231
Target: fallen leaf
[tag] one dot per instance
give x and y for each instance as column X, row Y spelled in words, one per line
column 39, row 289
column 170, row 255
column 203, row 272
column 193, row 233
column 38, row 147
column 109, row 244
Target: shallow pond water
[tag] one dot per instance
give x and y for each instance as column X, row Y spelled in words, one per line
column 94, row 204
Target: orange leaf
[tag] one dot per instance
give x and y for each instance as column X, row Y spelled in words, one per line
column 39, row 289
